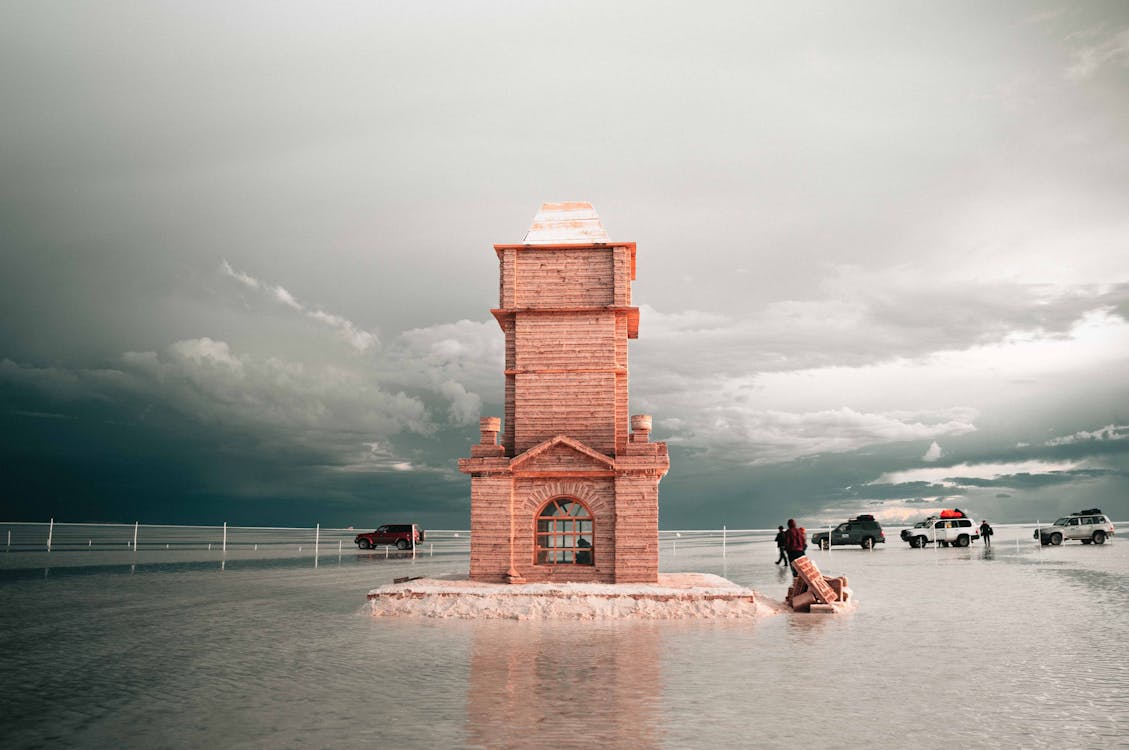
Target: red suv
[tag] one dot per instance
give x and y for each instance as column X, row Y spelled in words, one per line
column 400, row 534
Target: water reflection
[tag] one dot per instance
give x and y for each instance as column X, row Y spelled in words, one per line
column 560, row 684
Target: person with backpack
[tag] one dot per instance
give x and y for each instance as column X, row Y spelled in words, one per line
column 986, row 533
column 782, row 557
column 795, row 543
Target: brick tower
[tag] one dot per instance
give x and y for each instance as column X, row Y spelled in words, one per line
column 570, row 494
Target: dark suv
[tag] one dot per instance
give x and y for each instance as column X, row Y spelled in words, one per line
column 399, row 534
column 864, row 531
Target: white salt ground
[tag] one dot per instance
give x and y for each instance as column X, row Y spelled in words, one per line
column 675, row 596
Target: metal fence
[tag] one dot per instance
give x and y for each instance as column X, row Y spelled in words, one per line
column 56, row 536
column 283, row 540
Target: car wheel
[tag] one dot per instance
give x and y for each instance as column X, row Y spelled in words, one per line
column 1044, row 541
column 1099, row 537
column 868, row 543
column 364, row 544
column 1056, row 538
column 962, row 540
column 401, row 544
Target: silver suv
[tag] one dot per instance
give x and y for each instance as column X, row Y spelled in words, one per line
column 957, row 531
column 1087, row 526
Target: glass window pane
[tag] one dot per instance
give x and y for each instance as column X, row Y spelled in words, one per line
column 544, row 525
column 586, row 527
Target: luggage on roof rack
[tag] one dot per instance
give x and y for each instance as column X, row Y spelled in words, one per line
column 954, row 513
column 865, row 517
column 1090, row 512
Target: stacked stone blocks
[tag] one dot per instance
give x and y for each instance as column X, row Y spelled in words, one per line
column 564, row 309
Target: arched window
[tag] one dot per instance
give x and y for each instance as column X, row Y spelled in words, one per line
column 564, row 534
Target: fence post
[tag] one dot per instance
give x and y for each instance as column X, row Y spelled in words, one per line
column 317, row 540
column 135, row 536
column 225, row 536
column 723, row 535
column 50, row 533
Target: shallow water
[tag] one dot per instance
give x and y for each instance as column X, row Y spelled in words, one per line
column 1022, row 646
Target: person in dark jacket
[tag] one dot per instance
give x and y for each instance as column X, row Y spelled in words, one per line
column 795, row 543
column 986, row 533
column 781, row 558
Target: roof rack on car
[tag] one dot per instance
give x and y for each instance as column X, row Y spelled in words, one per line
column 1090, row 512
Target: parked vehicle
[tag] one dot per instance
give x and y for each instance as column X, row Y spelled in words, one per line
column 400, row 534
column 863, row 530
column 944, row 530
column 1087, row 526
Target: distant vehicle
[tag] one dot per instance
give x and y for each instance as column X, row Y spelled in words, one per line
column 1087, row 526
column 952, row 527
column 400, row 534
column 863, row 530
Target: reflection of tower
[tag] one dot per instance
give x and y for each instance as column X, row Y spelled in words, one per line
column 569, row 494
column 559, row 685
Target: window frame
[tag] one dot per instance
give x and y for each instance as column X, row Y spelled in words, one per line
column 576, row 533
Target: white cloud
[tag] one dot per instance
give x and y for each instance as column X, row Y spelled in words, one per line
column 933, row 453
column 1109, row 432
column 354, row 335
column 1097, row 49
column 768, row 436
column 946, row 475
column 205, row 350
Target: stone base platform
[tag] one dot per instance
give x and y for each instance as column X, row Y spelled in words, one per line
column 675, row 596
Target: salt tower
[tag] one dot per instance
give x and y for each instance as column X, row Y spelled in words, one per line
column 570, row 494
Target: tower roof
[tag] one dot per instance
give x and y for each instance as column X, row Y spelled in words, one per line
column 568, row 223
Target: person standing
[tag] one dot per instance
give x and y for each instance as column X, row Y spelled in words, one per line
column 795, row 543
column 986, row 533
column 782, row 556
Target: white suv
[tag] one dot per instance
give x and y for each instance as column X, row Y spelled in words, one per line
column 1086, row 526
column 959, row 532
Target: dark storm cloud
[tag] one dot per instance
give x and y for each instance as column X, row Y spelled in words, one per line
column 246, row 247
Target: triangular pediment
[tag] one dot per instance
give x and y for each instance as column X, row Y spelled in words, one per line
column 562, row 454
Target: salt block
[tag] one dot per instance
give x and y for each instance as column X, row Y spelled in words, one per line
column 803, row 602
column 823, row 609
column 807, row 570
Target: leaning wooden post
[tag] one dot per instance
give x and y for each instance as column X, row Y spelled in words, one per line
column 225, row 536
column 135, row 536
column 317, row 540
column 50, row 532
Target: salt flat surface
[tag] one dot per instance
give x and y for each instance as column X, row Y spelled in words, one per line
column 179, row 649
column 676, row 595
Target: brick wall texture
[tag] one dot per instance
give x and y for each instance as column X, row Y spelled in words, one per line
column 566, row 317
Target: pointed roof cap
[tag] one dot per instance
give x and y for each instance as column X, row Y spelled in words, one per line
column 568, row 223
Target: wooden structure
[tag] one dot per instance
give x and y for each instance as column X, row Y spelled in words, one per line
column 570, row 493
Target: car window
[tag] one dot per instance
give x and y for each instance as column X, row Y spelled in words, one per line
column 939, row 525
column 1062, row 522
column 1101, row 519
column 1073, row 521
column 964, row 522
column 842, row 527
column 382, row 530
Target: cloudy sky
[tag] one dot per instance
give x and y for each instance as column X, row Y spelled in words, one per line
column 247, row 267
